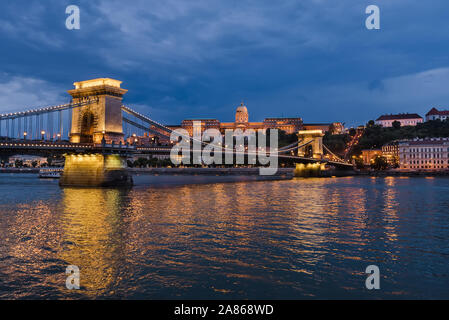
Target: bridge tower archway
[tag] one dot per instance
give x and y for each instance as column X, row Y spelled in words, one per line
column 102, row 118
column 315, row 148
column 87, row 126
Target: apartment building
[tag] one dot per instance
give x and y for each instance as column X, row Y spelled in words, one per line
column 424, row 154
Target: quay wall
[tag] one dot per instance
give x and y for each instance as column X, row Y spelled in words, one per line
column 208, row 171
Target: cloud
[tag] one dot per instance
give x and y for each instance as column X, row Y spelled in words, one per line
column 21, row 93
column 311, row 58
column 32, row 27
column 359, row 102
column 173, row 32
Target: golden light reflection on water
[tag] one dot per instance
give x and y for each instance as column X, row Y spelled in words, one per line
column 90, row 223
column 390, row 197
column 222, row 238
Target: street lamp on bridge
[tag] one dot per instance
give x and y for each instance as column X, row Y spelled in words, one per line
column 43, row 135
column 25, row 135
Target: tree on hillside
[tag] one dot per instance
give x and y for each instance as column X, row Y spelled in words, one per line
column 336, row 142
column 285, row 138
column 396, row 124
column 375, row 136
column 359, row 163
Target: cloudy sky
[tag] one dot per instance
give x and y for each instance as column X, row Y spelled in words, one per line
column 189, row 59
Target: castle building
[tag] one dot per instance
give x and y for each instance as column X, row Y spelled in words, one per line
column 204, row 125
column 424, row 154
column 289, row 125
column 146, row 139
column 435, row 114
column 333, row 128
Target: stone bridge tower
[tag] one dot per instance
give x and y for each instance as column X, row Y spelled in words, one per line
column 100, row 119
column 315, row 148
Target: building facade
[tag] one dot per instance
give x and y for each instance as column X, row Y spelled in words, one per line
column 289, row 125
column 27, row 161
column 333, row 128
column 424, row 154
column 368, row 155
column 391, row 152
column 202, row 124
column 405, row 119
column 144, row 140
column 435, row 114
column 198, row 126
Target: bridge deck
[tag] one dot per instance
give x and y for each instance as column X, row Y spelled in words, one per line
column 61, row 146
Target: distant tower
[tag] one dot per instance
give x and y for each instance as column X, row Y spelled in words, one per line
column 92, row 122
column 241, row 115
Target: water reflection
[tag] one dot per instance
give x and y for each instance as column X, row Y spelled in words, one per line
column 92, row 235
column 278, row 239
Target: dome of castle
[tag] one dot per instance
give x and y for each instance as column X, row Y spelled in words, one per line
column 242, row 108
column 241, row 115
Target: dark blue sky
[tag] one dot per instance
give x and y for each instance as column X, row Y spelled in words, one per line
column 189, row 59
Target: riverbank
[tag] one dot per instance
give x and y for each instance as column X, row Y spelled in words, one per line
column 177, row 171
column 397, row 173
column 19, row 170
column 283, row 173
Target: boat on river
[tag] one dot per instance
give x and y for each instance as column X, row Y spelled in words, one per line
column 50, row 173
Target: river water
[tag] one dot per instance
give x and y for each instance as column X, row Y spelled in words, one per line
column 202, row 238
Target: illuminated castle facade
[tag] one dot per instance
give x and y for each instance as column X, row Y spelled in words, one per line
column 289, row 125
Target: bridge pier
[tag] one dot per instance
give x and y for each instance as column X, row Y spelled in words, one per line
column 309, row 169
column 95, row 170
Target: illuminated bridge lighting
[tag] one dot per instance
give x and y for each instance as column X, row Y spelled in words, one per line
column 23, row 126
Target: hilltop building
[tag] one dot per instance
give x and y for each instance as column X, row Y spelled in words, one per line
column 405, row 119
column 435, row 114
